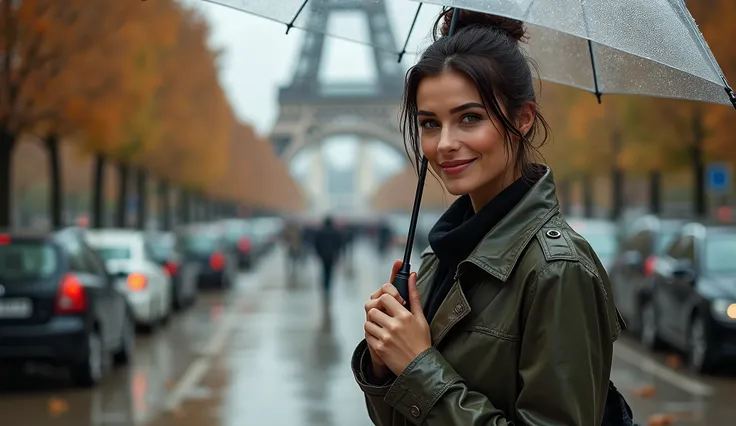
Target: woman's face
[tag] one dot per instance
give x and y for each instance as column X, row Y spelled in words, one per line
column 461, row 141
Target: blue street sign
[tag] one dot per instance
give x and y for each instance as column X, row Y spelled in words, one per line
column 718, row 177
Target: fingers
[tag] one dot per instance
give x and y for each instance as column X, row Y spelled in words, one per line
column 414, row 299
column 379, row 317
column 389, row 289
column 395, row 270
column 374, row 331
column 392, row 306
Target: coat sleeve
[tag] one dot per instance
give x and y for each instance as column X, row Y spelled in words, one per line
column 565, row 361
column 380, row 412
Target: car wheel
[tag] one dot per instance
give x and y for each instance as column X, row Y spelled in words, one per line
column 649, row 335
column 89, row 372
column 127, row 346
column 700, row 355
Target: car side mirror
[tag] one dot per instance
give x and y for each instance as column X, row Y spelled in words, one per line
column 684, row 270
column 633, row 259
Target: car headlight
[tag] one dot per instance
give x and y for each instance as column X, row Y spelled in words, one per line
column 723, row 309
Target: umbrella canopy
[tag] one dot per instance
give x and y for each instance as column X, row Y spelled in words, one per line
column 640, row 47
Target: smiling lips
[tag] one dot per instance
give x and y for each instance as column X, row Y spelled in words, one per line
column 456, row 166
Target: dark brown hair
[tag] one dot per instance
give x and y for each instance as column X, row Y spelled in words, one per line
column 486, row 49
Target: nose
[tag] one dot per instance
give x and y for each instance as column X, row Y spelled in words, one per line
column 448, row 141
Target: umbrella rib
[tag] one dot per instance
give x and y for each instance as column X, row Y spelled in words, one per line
column 590, row 51
column 290, row 25
column 411, row 30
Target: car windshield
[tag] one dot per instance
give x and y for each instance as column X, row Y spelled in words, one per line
column 23, row 261
column 603, row 243
column 664, row 239
column 200, row 243
column 162, row 250
column 113, row 252
column 719, row 253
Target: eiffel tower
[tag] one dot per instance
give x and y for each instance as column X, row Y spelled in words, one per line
column 311, row 112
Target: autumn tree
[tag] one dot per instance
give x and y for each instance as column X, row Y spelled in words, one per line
column 255, row 177
column 678, row 134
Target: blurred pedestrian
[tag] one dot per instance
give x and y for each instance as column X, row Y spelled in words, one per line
column 328, row 243
column 293, row 240
column 521, row 313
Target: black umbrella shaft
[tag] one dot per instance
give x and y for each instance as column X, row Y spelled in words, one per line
column 401, row 281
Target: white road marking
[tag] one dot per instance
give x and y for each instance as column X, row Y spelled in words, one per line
column 662, row 372
column 199, row 368
column 195, row 372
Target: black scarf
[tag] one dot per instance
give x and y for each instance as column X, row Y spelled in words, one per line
column 459, row 231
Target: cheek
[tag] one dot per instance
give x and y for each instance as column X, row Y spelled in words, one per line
column 488, row 142
column 429, row 147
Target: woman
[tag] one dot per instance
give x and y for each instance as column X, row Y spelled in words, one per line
column 511, row 319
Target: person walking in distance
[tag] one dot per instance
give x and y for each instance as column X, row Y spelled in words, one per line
column 328, row 244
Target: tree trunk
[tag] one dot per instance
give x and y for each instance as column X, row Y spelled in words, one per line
column 698, row 163
column 141, row 190
column 164, row 201
column 98, row 189
column 587, row 197
column 7, row 144
column 55, row 183
column 564, row 196
column 121, row 208
column 184, row 216
column 655, row 192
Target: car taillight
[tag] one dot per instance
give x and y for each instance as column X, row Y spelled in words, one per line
column 4, row 239
column 171, row 268
column 244, row 244
column 649, row 266
column 137, row 282
column 217, row 261
column 71, row 297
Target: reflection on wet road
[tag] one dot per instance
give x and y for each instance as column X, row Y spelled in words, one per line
column 270, row 353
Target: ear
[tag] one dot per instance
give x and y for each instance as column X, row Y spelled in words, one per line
column 525, row 117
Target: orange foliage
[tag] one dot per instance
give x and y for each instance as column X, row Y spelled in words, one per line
column 135, row 81
column 655, row 133
column 255, row 176
column 193, row 112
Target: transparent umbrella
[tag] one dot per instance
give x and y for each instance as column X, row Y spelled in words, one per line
column 637, row 47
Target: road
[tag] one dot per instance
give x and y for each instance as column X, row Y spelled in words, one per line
column 267, row 353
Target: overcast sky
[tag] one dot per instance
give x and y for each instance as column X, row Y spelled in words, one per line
column 259, row 57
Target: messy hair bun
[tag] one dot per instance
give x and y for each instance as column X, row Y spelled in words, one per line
column 512, row 27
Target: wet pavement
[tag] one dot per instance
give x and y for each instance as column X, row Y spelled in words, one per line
column 269, row 352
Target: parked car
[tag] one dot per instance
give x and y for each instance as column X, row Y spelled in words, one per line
column 130, row 260
column 238, row 235
column 59, row 306
column 208, row 248
column 601, row 235
column 692, row 305
column 183, row 273
column 632, row 271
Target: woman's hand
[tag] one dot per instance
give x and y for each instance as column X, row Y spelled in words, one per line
column 380, row 369
column 394, row 333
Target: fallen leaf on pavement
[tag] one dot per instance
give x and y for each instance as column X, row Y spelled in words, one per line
column 661, row 420
column 673, row 361
column 645, row 391
column 57, row 406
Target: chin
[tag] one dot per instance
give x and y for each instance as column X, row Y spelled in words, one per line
column 458, row 187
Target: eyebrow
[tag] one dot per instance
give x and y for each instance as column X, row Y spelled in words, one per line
column 457, row 109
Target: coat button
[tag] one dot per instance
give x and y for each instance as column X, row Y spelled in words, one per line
column 457, row 309
column 415, row 411
column 553, row 233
